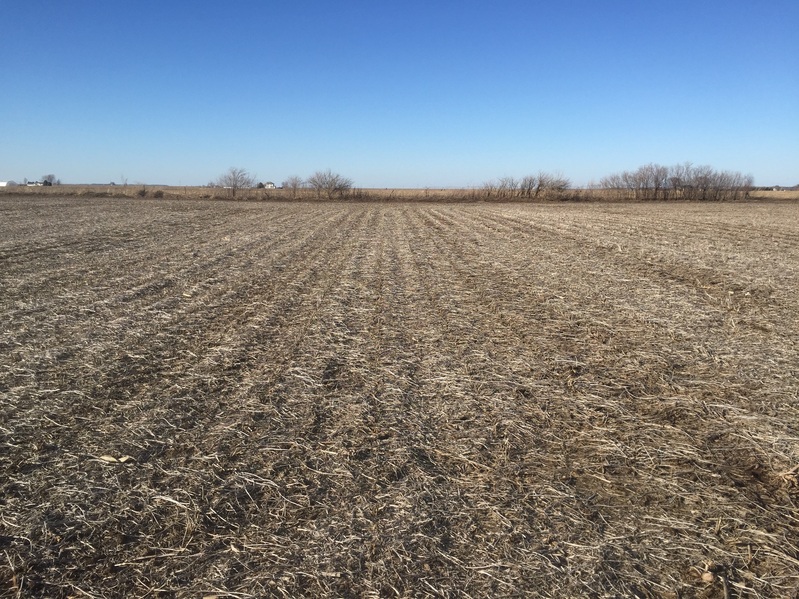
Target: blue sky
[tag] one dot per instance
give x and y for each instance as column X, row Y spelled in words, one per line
column 396, row 93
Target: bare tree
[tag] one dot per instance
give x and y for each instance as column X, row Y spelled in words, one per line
column 329, row 183
column 293, row 184
column 654, row 178
column 489, row 189
column 682, row 181
column 235, row 179
column 530, row 186
column 550, row 184
column 48, row 179
column 507, row 187
column 527, row 186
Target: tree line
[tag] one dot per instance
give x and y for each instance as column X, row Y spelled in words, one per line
column 323, row 183
column 679, row 182
column 648, row 182
column 533, row 187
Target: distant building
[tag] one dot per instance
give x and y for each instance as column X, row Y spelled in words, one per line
column 269, row 185
column 7, row 184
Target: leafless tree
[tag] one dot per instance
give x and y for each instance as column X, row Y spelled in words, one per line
column 550, row 184
column 527, row 186
column 329, row 183
column 653, row 178
column 682, row 181
column 293, row 184
column 235, row 179
column 507, row 187
column 48, row 179
column 531, row 186
column 489, row 190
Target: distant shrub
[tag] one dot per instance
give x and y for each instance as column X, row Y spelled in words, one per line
column 159, row 194
column 329, row 183
column 142, row 192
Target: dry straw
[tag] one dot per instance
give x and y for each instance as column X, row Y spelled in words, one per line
column 396, row 400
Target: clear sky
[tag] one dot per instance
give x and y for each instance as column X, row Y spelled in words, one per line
column 396, row 93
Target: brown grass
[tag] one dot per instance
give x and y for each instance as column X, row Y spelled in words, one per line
column 398, row 400
column 477, row 194
column 783, row 194
column 198, row 193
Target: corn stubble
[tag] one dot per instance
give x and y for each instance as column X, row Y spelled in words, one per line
column 375, row 400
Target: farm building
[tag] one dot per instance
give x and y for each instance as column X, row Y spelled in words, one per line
column 7, row 184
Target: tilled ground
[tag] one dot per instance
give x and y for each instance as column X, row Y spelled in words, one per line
column 377, row 400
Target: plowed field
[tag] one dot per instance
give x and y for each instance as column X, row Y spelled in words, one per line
column 391, row 400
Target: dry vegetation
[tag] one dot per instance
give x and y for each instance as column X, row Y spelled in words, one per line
column 157, row 192
column 484, row 193
column 254, row 194
column 398, row 400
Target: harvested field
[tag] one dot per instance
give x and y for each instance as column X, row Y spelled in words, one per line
column 412, row 400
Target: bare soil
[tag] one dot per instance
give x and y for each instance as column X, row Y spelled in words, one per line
column 398, row 400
